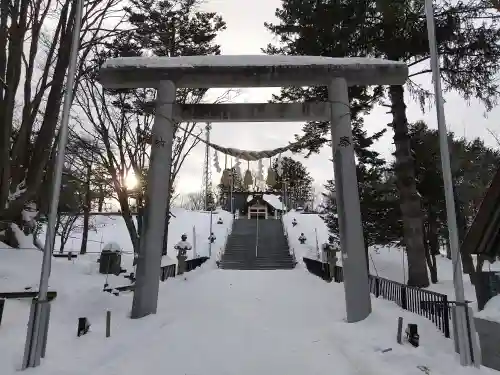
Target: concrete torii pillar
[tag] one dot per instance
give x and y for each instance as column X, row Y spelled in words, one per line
column 166, row 74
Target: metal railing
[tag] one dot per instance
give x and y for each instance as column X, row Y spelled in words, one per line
column 291, row 250
column 431, row 305
column 221, row 251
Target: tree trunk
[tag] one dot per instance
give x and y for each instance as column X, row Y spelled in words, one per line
column 140, row 219
column 100, row 200
column 164, row 249
column 56, row 229
column 63, row 243
column 467, row 262
column 86, row 210
column 448, row 248
column 16, row 35
column 128, row 218
column 36, row 168
column 432, row 242
column 408, row 194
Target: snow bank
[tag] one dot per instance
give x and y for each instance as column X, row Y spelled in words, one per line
column 491, row 311
column 389, row 262
column 112, row 229
column 312, row 226
column 79, row 288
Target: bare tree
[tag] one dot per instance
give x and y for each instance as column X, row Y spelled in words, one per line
column 194, row 201
column 33, row 65
column 82, row 157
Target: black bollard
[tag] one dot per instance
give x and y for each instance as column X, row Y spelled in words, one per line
column 2, row 305
column 412, row 335
column 83, row 326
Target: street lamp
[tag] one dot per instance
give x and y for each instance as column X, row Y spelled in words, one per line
column 461, row 337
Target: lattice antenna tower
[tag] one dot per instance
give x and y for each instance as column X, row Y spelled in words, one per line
column 207, row 170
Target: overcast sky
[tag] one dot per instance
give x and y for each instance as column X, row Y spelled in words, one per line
column 246, row 35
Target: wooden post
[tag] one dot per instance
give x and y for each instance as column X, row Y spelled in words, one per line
column 399, row 337
column 108, row 323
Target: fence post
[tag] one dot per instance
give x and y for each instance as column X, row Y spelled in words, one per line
column 404, row 304
column 446, row 317
column 377, row 286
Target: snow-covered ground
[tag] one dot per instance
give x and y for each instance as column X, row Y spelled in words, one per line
column 314, row 230
column 231, row 322
column 111, row 228
column 217, row 322
column 387, row 262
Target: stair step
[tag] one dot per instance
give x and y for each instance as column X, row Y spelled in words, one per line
column 272, row 253
column 261, row 263
column 257, row 268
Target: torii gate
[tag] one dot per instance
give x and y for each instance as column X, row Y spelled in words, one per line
column 166, row 74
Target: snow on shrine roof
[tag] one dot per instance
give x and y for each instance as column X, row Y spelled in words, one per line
column 274, row 201
column 249, row 71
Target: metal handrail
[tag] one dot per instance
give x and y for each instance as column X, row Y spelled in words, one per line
column 223, row 248
column 291, row 250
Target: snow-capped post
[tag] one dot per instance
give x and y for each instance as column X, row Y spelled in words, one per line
column 182, row 247
column 195, row 253
column 356, row 285
column 36, row 338
column 330, row 253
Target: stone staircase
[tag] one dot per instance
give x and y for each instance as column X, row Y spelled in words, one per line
column 272, row 247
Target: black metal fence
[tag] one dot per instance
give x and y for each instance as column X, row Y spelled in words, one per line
column 434, row 306
column 191, row 264
column 167, row 271
column 318, row 268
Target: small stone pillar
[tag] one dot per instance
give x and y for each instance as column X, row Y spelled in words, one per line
column 331, row 257
column 181, row 262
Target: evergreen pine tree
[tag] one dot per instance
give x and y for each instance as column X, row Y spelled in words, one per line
column 394, row 29
column 297, row 179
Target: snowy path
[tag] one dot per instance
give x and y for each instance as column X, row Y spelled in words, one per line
column 248, row 323
column 252, row 322
column 244, row 323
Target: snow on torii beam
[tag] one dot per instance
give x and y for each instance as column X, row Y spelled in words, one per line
column 248, row 71
column 166, row 74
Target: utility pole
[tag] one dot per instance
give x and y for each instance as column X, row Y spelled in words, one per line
column 38, row 324
column 207, row 171
column 461, row 339
column 207, row 177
